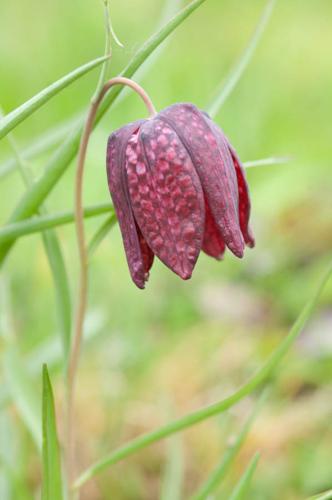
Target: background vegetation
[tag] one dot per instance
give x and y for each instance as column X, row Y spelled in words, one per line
column 150, row 356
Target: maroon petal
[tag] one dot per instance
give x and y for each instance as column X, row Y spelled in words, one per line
column 214, row 165
column 213, row 244
column 166, row 196
column 147, row 253
column 137, row 252
column 244, row 199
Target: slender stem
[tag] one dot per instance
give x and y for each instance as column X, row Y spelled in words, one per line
column 83, row 261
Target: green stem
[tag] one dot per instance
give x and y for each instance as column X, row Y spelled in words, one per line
column 40, row 223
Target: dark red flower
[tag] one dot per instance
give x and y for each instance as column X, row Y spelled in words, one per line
column 178, row 187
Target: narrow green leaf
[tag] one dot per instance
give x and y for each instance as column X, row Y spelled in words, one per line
column 12, row 119
column 237, row 71
column 218, row 474
column 43, row 222
column 242, row 487
column 275, row 160
column 202, row 414
column 100, row 234
column 22, row 391
column 52, row 482
column 61, row 284
column 174, row 471
column 58, row 164
column 327, row 495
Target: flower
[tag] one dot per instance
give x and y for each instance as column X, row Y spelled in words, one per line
column 178, row 187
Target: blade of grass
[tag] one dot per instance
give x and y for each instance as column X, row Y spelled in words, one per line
column 241, row 489
column 237, row 71
column 174, row 470
column 43, row 222
column 326, row 495
column 58, row 164
column 202, row 414
column 100, row 234
column 218, row 474
column 12, row 119
column 55, row 258
column 274, row 160
column 52, row 481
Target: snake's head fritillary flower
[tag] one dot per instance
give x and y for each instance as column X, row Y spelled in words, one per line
column 178, row 187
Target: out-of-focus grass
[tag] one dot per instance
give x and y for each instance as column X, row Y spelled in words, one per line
column 187, row 343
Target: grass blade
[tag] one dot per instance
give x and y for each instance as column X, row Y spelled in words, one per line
column 327, row 495
column 274, row 160
column 52, row 482
column 15, row 117
column 204, row 413
column 241, row 489
column 43, row 222
column 218, row 474
column 58, row 164
column 237, row 71
column 174, row 471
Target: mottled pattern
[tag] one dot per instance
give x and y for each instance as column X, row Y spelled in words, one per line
column 178, row 187
column 215, row 168
column 166, row 196
column 136, row 258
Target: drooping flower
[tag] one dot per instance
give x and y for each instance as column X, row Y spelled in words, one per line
column 178, row 187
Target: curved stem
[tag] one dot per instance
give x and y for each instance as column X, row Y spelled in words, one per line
column 83, row 260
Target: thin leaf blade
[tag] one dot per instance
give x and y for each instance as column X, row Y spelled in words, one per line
column 52, row 478
column 15, row 117
column 241, row 489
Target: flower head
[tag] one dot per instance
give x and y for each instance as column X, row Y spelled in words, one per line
column 178, row 187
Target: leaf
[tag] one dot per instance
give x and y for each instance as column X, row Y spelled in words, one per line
column 237, row 71
column 58, row 164
column 43, row 222
column 61, row 284
column 218, row 474
column 12, row 119
column 52, row 482
column 174, row 471
column 202, row 414
column 23, row 392
column 241, row 489
column 274, row 160
column 327, row 495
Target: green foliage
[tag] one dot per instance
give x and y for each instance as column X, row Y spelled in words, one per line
column 52, row 481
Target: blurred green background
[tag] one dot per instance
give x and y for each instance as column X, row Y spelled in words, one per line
column 152, row 355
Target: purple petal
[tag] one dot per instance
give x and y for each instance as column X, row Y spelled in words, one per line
column 244, row 199
column 135, row 247
column 213, row 244
column 214, row 165
column 166, row 196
